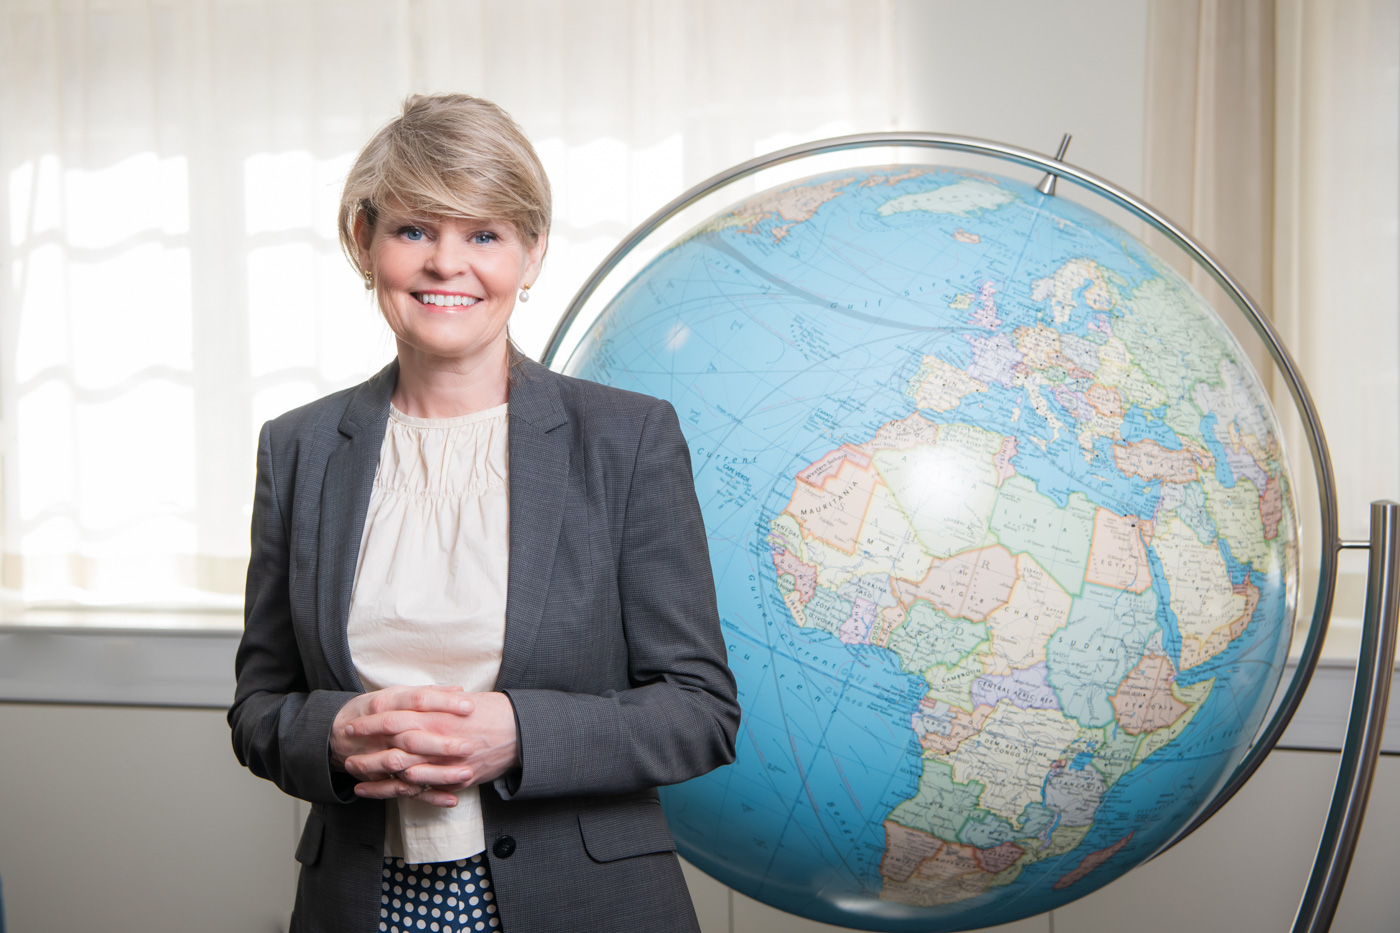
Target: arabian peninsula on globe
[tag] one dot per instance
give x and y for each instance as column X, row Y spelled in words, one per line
column 1002, row 532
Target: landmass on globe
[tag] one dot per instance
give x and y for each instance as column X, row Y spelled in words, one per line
column 1049, row 493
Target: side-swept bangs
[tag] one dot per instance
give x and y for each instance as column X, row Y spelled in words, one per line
column 447, row 155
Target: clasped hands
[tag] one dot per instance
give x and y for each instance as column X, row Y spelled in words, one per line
column 424, row 742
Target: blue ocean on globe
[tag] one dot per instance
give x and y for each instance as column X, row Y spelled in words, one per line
column 1002, row 533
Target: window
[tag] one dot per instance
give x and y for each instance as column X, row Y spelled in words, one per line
column 173, row 279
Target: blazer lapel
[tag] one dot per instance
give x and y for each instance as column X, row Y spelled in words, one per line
column 345, row 495
column 539, row 474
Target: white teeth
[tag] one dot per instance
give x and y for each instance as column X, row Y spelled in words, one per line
column 446, row 301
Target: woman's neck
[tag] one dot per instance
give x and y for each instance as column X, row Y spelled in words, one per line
column 434, row 387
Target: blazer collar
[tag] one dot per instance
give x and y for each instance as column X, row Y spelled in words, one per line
column 539, row 482
column 539, row 471
column 534, row 399
column 345, row 495
column 534, row 396
column 369, row 403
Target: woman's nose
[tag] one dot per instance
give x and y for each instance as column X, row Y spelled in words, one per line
column 449, row 257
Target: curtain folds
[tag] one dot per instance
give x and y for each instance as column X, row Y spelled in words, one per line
column 1337, row 235
column 1273, row 135
column 1209, row 128
column 171, row 170
column 171, row 167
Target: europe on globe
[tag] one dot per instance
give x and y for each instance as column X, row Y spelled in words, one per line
column 1002, row 532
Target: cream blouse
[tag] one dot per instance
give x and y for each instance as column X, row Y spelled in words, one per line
column 429, row 600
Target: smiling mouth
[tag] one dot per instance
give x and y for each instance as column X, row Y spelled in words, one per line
column 438, row 300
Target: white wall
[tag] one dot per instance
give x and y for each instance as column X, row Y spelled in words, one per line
column 131, row 820
column 139, row 820
column 1025, row 72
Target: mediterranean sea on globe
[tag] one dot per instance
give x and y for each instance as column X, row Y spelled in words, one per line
column 1002, row 533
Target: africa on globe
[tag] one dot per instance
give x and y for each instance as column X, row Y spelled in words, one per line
column 1002, row 532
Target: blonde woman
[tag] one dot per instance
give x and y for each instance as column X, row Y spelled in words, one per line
column 480, row 620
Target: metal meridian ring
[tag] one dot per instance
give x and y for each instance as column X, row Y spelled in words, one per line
column 1302, row 399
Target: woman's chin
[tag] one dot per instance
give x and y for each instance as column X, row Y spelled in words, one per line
column 415, row 346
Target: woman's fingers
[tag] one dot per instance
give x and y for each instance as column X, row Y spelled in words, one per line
column 441, row 736
column 398, row 721
column 401, row 702
column 484, row 742
column 393, row 787
column 426, row 699
column 435, row 744
column 348, row 733
column 436, row 775
column 438, row 798
column 389, row 761
column 413, row 748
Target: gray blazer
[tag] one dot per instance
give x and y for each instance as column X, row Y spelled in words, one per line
column 613, row 656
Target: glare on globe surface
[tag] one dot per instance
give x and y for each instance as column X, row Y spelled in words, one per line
column 1002, row 534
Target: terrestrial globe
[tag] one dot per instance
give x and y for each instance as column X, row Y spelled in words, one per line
column 1002, row 531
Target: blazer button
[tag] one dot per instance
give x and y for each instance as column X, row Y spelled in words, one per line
column 504, row 847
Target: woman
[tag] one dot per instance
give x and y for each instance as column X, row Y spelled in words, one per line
column 480, row 620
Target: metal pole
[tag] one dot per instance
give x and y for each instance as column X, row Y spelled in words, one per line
column 1047, row 184
column 1367, row 722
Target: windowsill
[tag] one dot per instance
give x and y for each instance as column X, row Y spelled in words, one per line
column 125, row 658
column 122, row 621
column 119, row 658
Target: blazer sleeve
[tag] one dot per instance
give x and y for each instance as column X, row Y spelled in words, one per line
column 281, row 727
column 680, row 718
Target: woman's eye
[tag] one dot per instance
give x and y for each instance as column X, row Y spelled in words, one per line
column 481, row 238
column 411, row 233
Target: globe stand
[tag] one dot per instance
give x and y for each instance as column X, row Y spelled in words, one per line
column 1382, row 615
column 1370, row 699
column 1366, row 725
column 1047, row 184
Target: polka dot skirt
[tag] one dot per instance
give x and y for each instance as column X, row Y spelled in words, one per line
column 438, row 897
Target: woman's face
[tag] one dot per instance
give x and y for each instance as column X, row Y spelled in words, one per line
column 447, row 285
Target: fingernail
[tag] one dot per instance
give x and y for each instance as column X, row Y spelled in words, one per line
column 462, row 777
column 464, row 707
column 349, row 730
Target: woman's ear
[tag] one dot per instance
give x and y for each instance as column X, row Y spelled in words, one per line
column 364, row 235
column 535, row 258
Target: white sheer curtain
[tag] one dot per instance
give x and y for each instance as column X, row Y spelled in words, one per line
column 1209, row 147
column 171, row 169
column 1337, row 245
column 1273, row 134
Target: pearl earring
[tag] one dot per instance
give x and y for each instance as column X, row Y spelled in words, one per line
column 369, row 279
column 525, row 293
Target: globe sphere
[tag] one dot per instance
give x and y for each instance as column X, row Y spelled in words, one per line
column 1002, row 532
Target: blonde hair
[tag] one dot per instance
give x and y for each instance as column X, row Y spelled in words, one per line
column 447, row 155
